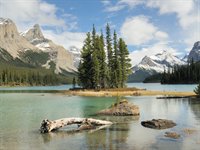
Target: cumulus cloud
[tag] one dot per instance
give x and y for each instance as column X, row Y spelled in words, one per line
column 66, row 39
column 27, row 13
column 187, row 12
column 139, row 30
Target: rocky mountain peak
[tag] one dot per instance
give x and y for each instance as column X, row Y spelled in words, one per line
column 195, row 52
column 5, row 21
column 196, row 46
column 34, row 34
column 10, row 40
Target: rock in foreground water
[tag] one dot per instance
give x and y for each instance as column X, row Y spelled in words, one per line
column 172, row 135
column 158, row 124
column 123, row 108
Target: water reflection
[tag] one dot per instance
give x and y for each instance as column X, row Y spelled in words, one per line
column 21, row 115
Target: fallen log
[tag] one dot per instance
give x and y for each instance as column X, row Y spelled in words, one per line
column 83, row 124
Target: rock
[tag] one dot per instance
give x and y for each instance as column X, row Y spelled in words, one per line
column 189, row 131
column 158, row 124
column 123, row 108
column 173, row 135
column 195, row 52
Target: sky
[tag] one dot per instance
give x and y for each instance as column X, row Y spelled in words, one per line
column 147, row 26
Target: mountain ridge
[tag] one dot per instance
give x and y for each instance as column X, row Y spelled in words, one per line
column 31, row 47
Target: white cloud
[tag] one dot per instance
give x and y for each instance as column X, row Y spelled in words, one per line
column 27, row 13
column 137, row 55
column 139, row 30
column 187, row 12
column 121, row 4
column 66, row 39
column 31, row 12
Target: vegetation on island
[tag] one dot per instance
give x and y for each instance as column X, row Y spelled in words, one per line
column 104, row 63
column 186, row 74
column 197, row 90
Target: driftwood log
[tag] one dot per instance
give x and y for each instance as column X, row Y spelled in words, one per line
column 83, row 124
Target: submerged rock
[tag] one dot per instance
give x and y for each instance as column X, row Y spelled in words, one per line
column 173, row 135
column 123, row 108
column 158, row 124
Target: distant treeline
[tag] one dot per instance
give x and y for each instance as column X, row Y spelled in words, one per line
column 186, row 74
column 13, row 76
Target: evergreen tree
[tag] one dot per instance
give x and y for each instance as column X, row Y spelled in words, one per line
column 125, row 61
column 116, row 66
column 85, row 66
column 197, row 90
column 74, row 82
column 94, row 70
column 102, row 62
column 109, row 55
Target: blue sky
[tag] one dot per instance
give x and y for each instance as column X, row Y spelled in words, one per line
column 148, row 26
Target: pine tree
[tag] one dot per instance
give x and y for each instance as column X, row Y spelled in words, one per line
column 95, row 59
column 85, row 66
column 102, row 62
column 116, row 66
column 125, row 61
column 197, row 90
column 109, row 55
column 74, row 82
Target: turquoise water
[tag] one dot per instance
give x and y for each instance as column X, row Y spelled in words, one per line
column 164, row 87
column 148, row 86
column 22, row 113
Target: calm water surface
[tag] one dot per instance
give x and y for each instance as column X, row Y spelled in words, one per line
column 22, row 113
column 148, row 86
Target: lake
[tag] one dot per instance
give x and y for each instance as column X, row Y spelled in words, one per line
column 22, row 113
column 148, row 86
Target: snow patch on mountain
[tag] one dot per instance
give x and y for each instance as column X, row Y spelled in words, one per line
column 158, row 62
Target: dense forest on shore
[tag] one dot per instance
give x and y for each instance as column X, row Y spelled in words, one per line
column 13, row 76
column 104, row 64
column 186, row 74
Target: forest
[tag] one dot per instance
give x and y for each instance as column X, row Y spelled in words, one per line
column 104, row 61
column 13, row 76
column 186, row 74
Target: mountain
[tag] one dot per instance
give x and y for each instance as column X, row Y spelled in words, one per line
column 32, row 48
column 195, row 52
column 154, row 64
column 11, row 41
column 58, row 55
column 77, row 55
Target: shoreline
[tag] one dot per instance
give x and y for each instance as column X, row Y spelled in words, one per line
column 127, row 92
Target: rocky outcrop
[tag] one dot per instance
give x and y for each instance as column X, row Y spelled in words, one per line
column 172, row 135
column 10, row 39
column 123, row 108
column 158, row 124
column 195, row 52
column 62, row 58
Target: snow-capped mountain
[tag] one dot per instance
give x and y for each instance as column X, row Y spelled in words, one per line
column 31, row 47
column 77, row 55
column 195, row 52
column 154, row 64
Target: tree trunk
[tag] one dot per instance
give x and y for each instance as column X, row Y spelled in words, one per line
column 84, row 123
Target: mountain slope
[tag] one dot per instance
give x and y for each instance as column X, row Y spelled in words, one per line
column 195, row 52
column 62, row 58
column 11, row 41
column 154, row 64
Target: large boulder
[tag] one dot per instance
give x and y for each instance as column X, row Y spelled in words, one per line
column 122, row 108
column 158, row 124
